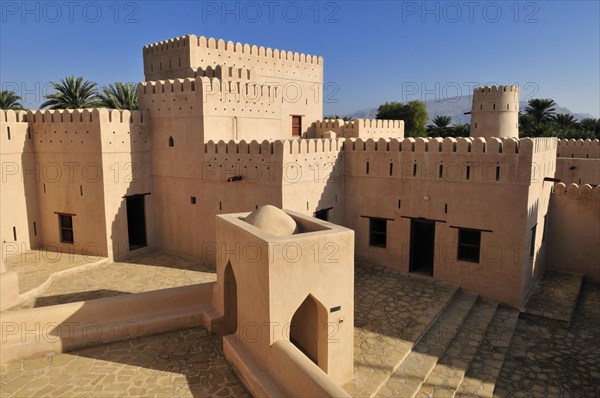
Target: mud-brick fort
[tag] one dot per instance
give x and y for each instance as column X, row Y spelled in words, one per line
column 227, row 128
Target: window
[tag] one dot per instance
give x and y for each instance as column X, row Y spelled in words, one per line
column 65, row 222
column 377, row 232
column 171, row 142
column 469, row 243
column 322, row 214
column 193, row 200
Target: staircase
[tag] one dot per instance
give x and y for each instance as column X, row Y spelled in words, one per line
column 459, row 355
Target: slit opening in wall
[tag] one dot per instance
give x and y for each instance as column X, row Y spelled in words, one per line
column 34, row 229
column 391, row 168
column 399, row 203
column 81, row 190
column 44, row 187
column 468, row 171
column 220, row 206
column 441, row 175
column 497, row 172
column 415, row 169
column 15, row 234
column 445, row 208
column 367, row 168
column 8, row 131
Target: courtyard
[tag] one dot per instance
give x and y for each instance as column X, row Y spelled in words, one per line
column 413, row 337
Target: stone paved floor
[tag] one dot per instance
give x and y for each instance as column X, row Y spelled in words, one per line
column 391, row 312
column 546, row 360
column 554, row 296
column 34, row 267
column 188, row 363
column 150, row 271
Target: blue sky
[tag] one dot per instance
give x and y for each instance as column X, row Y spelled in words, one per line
column 373, row 51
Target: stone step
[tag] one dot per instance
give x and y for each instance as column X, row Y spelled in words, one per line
column 448, row 373
column 415, row 367
column 484, row 370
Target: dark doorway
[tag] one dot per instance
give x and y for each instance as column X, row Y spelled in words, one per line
column 323, row 214
column 422, row 239
column 136, row 222
column 296, row 126
column 230, row 301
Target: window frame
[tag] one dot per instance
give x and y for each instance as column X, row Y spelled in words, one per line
column 377, row 233
column 462, row 246
column 62, row 228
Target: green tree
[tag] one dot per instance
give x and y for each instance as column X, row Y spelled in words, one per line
column 335, row 116
column 414, row 114
column 440, row 126
column 591, row 125
column 460, row 130
column 72, row 93
column 541, row 109
column 10, row 100
column 119, row 96
column 565, row 121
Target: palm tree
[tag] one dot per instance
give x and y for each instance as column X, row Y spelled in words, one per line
column 72, row 93
column 10, row 100
column 565, row 121
column 461, row 130
column 119, row 96
column 590, row 124
column 439, row 126
column 541, row 110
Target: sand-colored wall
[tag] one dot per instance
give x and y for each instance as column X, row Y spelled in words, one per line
column 573, row 230
column 312, row 177
column 495, row 112
column 274, row 275
column 68, row 151
column 359, row 128
column 402, row 196
column 579, row 171
column 583, row 149
column 19, row 202
column 541, row 152
column 298, row 78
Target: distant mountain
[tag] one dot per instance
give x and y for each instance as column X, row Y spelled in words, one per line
column 455, row 108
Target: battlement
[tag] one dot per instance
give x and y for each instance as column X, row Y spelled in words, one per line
column 583, row 149
column 575, row 191
column 229, row 46
column 360, row 128
column 85, row 116
column 275, row 148
column 206, row 85
column 495, row 146
column 496, row 89
column 9, row 116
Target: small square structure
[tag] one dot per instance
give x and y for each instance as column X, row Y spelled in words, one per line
column 298, row 288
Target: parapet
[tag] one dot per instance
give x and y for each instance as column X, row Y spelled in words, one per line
column 495, row 99
column 85, row 116
column 360, row 128
column 12, row 116
column 275, row 148
column 495, row 146
column 586, row 149
column 575, row 191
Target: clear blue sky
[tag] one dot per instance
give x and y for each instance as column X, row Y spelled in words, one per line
column 374, row 51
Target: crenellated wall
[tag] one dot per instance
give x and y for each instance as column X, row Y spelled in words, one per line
column 19, row 204
column 359, row 128
column 452, row 182
column 495, row 112
column 163, row 60
column 582, row 149
column 573, row 230
column 297, row 78
column 86, row 161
